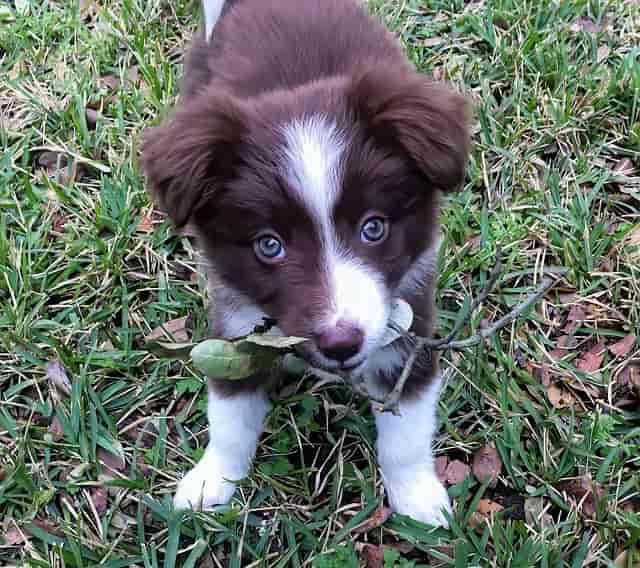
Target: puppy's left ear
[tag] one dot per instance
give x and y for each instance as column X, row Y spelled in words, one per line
column 415, row 115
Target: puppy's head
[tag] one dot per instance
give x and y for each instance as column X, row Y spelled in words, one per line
column 315, row 205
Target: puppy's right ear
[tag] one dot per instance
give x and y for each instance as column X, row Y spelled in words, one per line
column 188, row 156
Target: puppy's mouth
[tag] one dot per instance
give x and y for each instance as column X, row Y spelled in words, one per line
column 314, row 358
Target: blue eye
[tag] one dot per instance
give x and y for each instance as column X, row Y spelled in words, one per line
column 374, row 229
column 269, row 248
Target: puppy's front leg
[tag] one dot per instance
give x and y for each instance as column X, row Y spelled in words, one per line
column 236, row 421
column 406, row 459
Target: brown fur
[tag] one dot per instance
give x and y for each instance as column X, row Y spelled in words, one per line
column 213, row 164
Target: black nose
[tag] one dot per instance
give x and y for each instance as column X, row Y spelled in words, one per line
column 340, row 342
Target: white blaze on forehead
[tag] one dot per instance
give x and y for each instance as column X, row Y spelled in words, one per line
column 313, row 165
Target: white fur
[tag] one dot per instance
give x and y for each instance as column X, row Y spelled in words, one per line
column 422, row 268
column 406, row 460
column 358, row 297
column 235, row 424
column 313, row 162
column 212, row 10
column 313, row 156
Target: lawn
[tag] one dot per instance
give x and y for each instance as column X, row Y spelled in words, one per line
column 95, row 430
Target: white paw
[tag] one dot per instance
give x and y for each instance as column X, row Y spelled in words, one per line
column 419, row 495
column 204, row 487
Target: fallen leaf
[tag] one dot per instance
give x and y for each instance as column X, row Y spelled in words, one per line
column 602, row 53
column 540, row 372
column 58, row 222
column 591, row 360
column 207, row 562
column 585, row 25
column 441, row 468
column 133, row 74
column 91, row 116
column 559, row 397
column 99, row 498
column 485, row 511
column 487, row 465
column 457, row 472
column 575, row 318
column 56, row 166
column 377, row 519
column 624, row 346
column 629, row 377
column 403, row 547
column 432, row 41
column 56, row 428
column 57, row 377
column 149, row 219
column 14, row 537
column 372, row 556
column 487, row 507
column 175, row 330
column 624, row 167
column 48, row 527
column 585, row 494
column 113, row 462
column 109, row 82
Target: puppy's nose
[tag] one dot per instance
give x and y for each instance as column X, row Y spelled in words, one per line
column 341, row 341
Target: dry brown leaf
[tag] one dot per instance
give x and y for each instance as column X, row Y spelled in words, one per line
column 48, row 528
column 372, row 556
column 58, row 222
column 150, row 218
column 99, row 498
column 559, row 397
column 55, row 166
column 585, row 25
column 623, row 347
column 14, row 537
column 113, row 462
column 487, row 465
column 402, row 546
column 591, row 360
column 377, row 519
column 432, row 41
column 441, row 463
column 457, row 472
column 575, row 318
column 487, row 507
column 540, row 372
column 585, row 494
column 91, row 116
column 133, row 74
column 56, row 428
column 624, row 167
column 629, row 377
column 603, row 53
column 57, row 377
column 175, row 329
column 109, row 82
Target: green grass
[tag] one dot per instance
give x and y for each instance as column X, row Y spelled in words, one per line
column 556, row 87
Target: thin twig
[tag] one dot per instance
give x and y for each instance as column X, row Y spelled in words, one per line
column 390, row 402
column 546, row 284
column 484, row 294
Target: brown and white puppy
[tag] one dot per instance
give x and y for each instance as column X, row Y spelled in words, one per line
column 310, row 156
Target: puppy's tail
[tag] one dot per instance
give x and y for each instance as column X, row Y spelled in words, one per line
column 212, row 10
